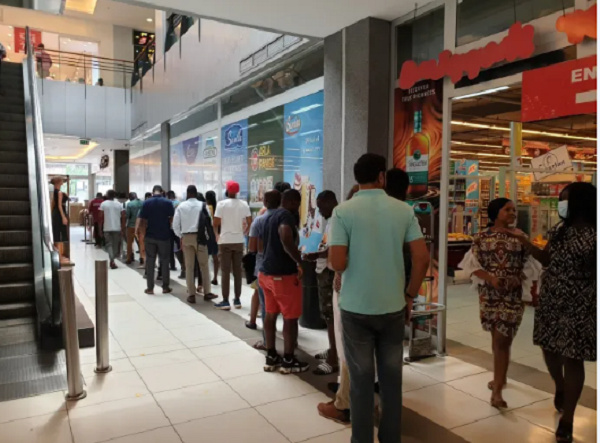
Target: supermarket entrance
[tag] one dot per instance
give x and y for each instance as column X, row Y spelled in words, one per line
column 493, row 155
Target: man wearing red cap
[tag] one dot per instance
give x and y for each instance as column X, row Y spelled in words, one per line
column 230, row 216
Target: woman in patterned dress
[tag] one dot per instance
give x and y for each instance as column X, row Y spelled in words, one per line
column 565, row 321
column 497, row 264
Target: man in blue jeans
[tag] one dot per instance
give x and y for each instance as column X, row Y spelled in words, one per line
column 367, row 237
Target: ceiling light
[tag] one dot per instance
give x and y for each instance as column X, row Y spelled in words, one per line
column 84, row 6
column 149, row 20
column 487, row 91
column 454, row 142
column 10, row 35
column 525, row 131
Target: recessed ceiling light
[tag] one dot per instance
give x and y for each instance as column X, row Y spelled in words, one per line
column 149, row 20
column 10, row 35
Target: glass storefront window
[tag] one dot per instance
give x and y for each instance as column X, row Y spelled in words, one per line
column 145, row 164
column 476, row 19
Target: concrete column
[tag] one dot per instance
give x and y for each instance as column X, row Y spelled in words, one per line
column 357, row 91
column 121, row 169
column 165, row 155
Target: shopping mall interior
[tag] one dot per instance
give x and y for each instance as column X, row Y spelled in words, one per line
column 475, row 99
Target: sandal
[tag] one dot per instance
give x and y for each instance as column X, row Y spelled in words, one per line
column 259, row 345
column 564, row 432
column 498, row 404
column 325, row 368
column 321, row 355
column 490, row 385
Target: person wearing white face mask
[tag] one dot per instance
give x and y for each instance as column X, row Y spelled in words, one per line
column 502, row 271
column 565, row 320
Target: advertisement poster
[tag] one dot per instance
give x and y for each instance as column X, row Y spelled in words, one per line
column 234, row 155
column 186, row 165
column 265, row 153
column 303, row 165
column 418, row 150
column 20, row 37
column 210, row 161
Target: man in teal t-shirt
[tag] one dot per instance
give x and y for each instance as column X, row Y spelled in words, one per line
column 366, row 243
column 132, row 210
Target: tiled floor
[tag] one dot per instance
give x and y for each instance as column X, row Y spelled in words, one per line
column 181, row 377
column 464, row 327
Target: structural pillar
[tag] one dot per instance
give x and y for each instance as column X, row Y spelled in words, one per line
column 121, row 171
column 165, row 155
column 357, row 91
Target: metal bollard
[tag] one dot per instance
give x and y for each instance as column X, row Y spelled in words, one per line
column 70, row 337
column 102, row 358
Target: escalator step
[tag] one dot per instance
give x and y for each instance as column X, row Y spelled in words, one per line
column 12, row 126
column 16, row 310
column 15, row 135
column 12, row 106
column 13, row 146
column 14, row 181
column 15, row 101
column 16, row 273
column 14, row 207
column 13, row 168
column 12, row 156
column 14, row 194
column 12, row 222
column 16, row 292
column 15, row 238
column 14, row 255
column 9, row 117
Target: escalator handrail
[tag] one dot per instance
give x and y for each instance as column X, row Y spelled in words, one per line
column 46, row 258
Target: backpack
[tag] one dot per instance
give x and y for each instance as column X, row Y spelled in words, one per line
column 206, row 233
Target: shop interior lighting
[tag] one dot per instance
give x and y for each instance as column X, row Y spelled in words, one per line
column 149, row 20
column 525, row 131
column 487, row 91
column 485, row 154
column 479, row 145
column 85, row 6
column 81, row 153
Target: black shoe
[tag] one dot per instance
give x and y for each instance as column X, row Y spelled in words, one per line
column 182, row 275
column 333, row 386
column 564, row 432
column 293, row 366
column 376, row 387
column 272, row 363
column 559, row 400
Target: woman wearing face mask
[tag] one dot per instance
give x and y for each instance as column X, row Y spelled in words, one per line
column 565, row 321
column 501, row 269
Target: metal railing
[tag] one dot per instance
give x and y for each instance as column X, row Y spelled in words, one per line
column 46, row 261
column 83, row 68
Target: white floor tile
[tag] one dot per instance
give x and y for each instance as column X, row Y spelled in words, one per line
column 201, row 401
column 298, row 418
column 140, row 352
column 504, row 428
column 236, row 365
column 222, row 349
column 245, row 426
column 343, row 436
column 109, row 387
column 32, row 406
column 515, row 394
column 50, row 428
column 167, row 378
column 161, row 435
column 543, row 414
column 258, row 389
column 212, row 341
column 118, row 365
column 412, row 380
column 148, row 339
column 447, row 406
column 164, row 359
column 181, row 321
column 199, row 332
column 445, row 369
column 113, row 419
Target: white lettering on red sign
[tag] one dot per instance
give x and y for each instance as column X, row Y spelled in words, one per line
column 583, row 74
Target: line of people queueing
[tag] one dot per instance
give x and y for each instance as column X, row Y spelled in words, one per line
column 372, row 252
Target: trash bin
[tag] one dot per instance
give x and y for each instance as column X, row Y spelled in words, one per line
column 311, row 311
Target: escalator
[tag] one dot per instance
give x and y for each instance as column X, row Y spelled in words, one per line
column 31, row 361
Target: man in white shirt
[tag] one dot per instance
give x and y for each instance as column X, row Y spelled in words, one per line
column 185, row 226
column 112, row 223
column 230, row 216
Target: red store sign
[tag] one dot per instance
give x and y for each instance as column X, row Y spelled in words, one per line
column 517, row 44
column 559, row 90
column 20, row 36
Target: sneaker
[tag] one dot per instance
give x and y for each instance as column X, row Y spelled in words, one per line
column 237, row 304
column 329, row 411
column 224, row 306
column 272, row 363
column 293, row 366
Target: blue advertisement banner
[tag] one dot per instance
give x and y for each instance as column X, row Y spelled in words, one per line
column 234, row 155
column 303, row 162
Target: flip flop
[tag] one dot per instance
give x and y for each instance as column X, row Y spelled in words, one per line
column 322, row 355
column 325, row 368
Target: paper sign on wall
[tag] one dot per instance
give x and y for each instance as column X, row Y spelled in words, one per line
column 554, row 161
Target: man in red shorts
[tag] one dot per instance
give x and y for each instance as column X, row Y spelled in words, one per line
column 281, row 279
